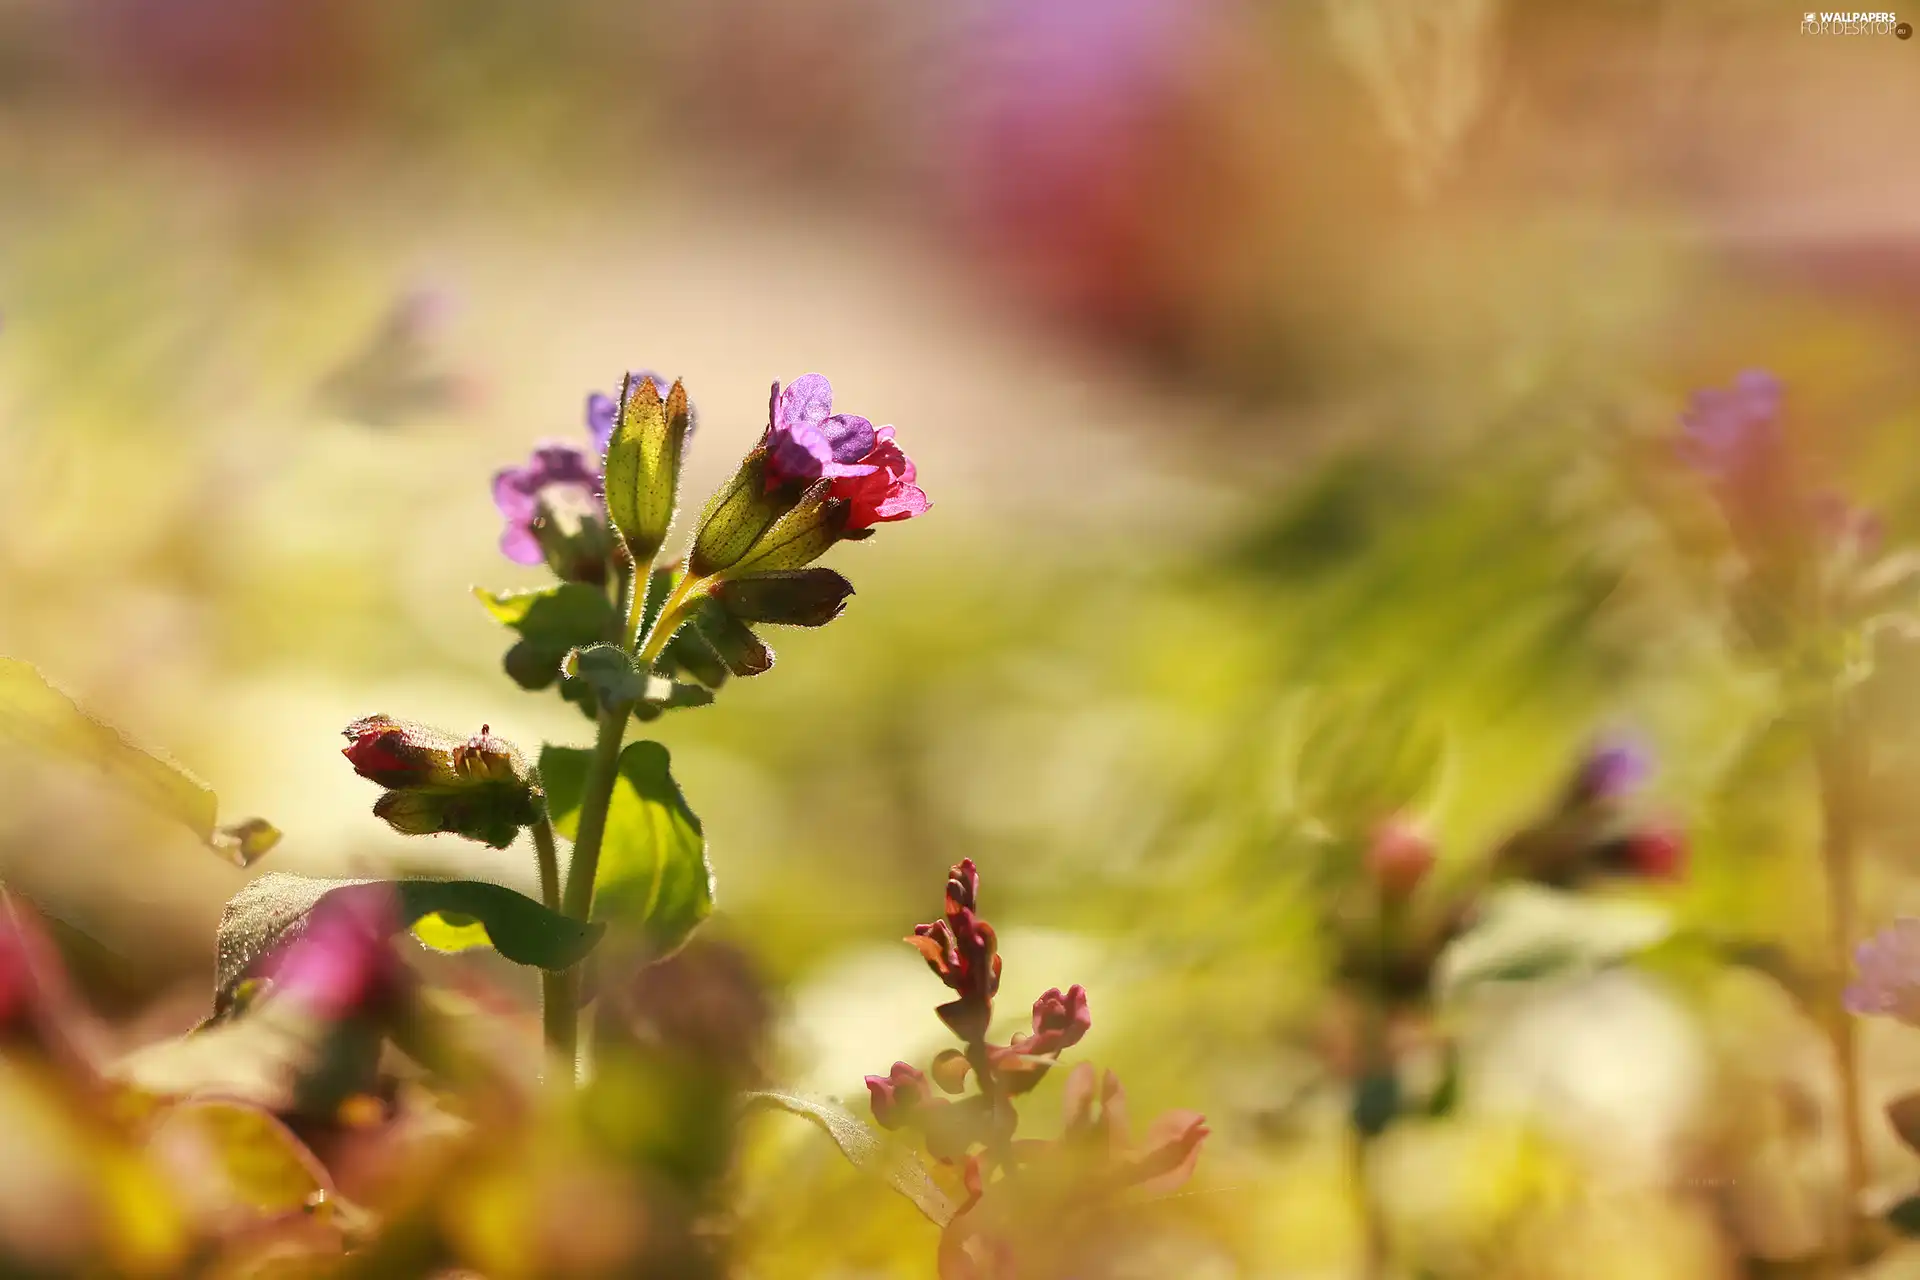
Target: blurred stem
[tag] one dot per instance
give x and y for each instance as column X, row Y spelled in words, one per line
column 1838, row 764
column 1376, row 1056
column 1001, row 1144
column 557, row 1014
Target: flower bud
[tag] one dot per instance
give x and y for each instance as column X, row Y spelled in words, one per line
column 738, row 515
column 1652, row 853
column 897, row 1095
column 479, row 788
column 643, row 464
column 790, row 597
column 1399, row 856
column 743, row 652
column 799, row 537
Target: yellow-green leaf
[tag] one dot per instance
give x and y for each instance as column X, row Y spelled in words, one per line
column 41, row 719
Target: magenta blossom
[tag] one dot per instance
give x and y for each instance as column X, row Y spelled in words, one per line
column 1614, row 768
column 1889, row 981
column 807, row 441
column 555, row 472
column 343, row 963
column 1730, row 432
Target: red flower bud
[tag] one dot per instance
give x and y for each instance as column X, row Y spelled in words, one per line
column 897, row 1095
column 1398, row 858
column 1657, row 853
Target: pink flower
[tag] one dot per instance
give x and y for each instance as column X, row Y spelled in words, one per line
column 887, row 492
column 807, row 441
column 1889, row 974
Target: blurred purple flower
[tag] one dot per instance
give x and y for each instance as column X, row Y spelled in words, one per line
column 518, row 492
column 1727, row 432
column 1889, row 974
column 343, row 963
column 807, row 440
column 1614, row 767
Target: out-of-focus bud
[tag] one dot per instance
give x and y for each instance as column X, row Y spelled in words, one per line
column 479, row 788
column 899, row 1094
column 1652, row 853
column 1398, row 858
column 1060, row 1021
column 1613, row 769
column 793, row 597
column 643, row 464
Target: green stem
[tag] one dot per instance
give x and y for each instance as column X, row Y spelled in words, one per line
column 557, row 1013
column 603, row 770
column 1837, row 769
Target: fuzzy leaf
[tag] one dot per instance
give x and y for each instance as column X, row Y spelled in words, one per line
column 1528, row 932
column 451, row 932
column 37, row 716
column 866, row 1150
column 255, row 1160
column 608, row 669
column 552, row 622
column 272, row 910
column 653, row 874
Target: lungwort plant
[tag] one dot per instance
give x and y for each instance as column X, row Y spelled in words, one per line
column 337, row 1113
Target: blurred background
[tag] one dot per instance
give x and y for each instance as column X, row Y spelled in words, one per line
column 1250, row 352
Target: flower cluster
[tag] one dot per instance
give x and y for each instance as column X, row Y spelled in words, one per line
column 1888, row 983
column 1008, row 1182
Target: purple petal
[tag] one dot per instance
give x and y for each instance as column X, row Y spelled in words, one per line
column 518, row 544
column 513, row 489
column 849, row 439
column 806, row 402
column 601, row 413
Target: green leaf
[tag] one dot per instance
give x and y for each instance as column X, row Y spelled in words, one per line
column 273, row 909
column 1362, row 757
column 1529, row 932
column 608, row 669
column 37, row 716
column 866, row 1150
column 643, row 464
column 1376, row 1102
column 450, row 931
column 1904, row 1217
column 255, row 1160
column 653, row 875
column 552, row 622
column 563, row 776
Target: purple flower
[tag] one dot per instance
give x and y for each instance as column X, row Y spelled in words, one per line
column 807, row 440
column 1730, row 432
column 343, row 963
column 558, row 475
column 520, row 491
column 1889, row 981
column 1613, row 769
